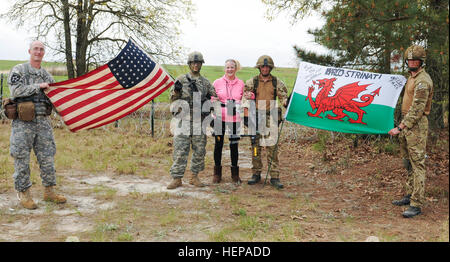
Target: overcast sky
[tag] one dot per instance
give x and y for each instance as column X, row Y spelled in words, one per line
column 221, row 29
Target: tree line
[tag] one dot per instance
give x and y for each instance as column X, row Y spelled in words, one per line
column 87, row 32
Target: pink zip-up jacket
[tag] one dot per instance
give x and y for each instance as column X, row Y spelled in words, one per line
column 229, row 89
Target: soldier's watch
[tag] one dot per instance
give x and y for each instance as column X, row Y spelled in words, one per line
column 399, row 128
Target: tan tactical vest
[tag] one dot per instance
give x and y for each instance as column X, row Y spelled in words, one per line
column 408, row 96
column 265, row 91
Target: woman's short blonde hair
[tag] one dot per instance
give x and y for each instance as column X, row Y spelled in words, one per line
column 237, row 65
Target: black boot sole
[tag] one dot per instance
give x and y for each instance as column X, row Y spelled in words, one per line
column 254, row 181
column 410, row 215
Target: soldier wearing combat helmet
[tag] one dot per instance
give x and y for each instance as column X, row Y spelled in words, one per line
column 195, row 57
column 32, row 129
column 185, row 89
column 413, row 129
column 264, row 89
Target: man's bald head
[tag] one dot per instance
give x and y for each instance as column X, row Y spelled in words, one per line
column 36, row 43
column 37, row 52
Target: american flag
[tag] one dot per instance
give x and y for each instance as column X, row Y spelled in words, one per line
column 111, row 91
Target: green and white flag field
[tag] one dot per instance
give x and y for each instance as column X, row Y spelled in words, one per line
column 344, row 100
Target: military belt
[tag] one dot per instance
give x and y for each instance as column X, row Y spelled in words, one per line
column 31, row 99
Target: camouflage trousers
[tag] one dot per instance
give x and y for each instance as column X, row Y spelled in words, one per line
column 37, row 135
column 257, row 162
column 413, row 144
column 181, row 148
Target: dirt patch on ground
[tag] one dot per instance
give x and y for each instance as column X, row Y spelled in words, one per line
column 87, row 194
column 337, row 193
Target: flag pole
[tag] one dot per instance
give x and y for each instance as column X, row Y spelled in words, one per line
column 153, row 117
column 1, row 92
column 274, row 152
column 279, row 134
column 1, row 97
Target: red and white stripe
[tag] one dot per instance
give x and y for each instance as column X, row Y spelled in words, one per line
column 96, row 98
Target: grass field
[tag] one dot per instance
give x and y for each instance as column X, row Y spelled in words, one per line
column 288, row 75
column 6, row 65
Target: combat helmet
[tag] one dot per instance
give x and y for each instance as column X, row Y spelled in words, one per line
column 415, row 52
column 265, row 60
column 195, row 57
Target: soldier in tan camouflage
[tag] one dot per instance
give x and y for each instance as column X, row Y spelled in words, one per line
column 264, row 89
column 32, row 129
column 413, row 129
column 192, row 90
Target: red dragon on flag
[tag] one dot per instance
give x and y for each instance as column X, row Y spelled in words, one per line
column 342, row 100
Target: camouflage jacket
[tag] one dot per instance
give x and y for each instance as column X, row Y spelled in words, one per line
column 203, row 85
column 24, row 80
column 417, row 98
column 282, row 92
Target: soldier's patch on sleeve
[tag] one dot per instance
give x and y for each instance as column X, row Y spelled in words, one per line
column 421, row 86
column 15, row 78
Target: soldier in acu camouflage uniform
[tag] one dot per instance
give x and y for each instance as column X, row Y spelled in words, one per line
column 32, row 129
column 265, row 88
column 413, row 129
column 187, row 87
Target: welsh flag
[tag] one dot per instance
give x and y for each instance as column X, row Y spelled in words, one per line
column 344, row 100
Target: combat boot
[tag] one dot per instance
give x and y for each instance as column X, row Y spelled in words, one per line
column 176, row 182
column 235, row 175
column 275, row 182
column 25, row 199
column 412, row 211
column 50, row 195
column 194, row 180
column 255, row 179
column 217, row 174
column 402, row 202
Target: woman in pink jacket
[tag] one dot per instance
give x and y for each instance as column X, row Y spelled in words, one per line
column 229, row 90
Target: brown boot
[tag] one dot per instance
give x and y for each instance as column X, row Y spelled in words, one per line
column 176, row 182
column 25, row 199
column 50, row 195
column 195, row 181
column 217, row 174
column 235, row 174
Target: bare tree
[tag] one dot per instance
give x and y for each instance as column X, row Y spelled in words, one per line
column 297, row 9
column 92, row 30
